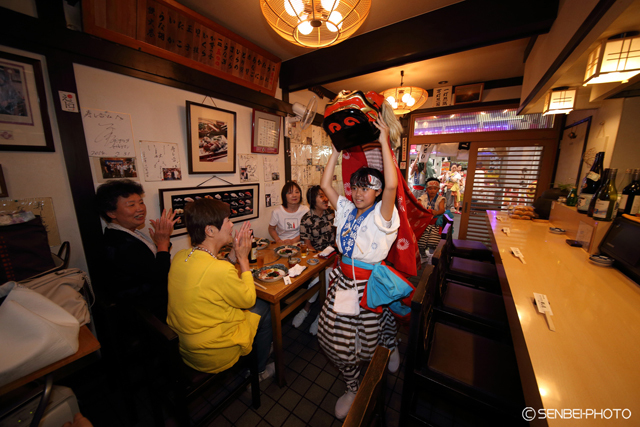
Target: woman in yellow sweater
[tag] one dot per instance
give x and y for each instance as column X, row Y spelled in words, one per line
column 214, row 312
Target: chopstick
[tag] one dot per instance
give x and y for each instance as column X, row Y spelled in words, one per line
column 260, row 286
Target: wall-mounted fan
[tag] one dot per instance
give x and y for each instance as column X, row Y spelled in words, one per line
column 304, row 115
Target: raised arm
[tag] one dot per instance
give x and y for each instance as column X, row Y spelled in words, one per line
column 390, row 174
column 327, row 177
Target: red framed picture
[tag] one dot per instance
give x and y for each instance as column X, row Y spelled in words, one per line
column 265, row 137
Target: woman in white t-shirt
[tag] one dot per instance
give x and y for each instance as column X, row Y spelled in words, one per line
column 284, row 226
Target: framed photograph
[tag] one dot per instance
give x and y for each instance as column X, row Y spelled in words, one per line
column 243, row 200
column 4, row 192
column 468, row 93
column 211, row 139
column 266, row 133
column 24, row 117
column 108, row 168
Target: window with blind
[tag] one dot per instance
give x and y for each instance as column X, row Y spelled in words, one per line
column 504, row 176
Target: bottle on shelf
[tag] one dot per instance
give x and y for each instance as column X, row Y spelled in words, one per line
column 572, row 197
column 605, row 200
column 253, row 253
column 621, row 185
column 590, row 183
column 631, row 194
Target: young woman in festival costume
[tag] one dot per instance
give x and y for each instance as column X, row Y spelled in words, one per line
column 349, row 329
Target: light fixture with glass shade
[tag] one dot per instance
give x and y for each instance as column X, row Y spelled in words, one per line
column 614, row 60
column 315, row 23
column 405, row 99
column 560, row 100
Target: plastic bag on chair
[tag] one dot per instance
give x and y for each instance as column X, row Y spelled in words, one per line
column 34, row 332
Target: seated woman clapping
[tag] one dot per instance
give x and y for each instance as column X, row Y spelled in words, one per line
column 214, row 312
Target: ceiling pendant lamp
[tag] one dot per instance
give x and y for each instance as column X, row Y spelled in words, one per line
column 559, row 101
column 614, row 60
column 315, row 23
column 404, row 99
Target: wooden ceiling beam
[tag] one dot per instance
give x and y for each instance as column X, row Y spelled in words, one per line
column 463, row 26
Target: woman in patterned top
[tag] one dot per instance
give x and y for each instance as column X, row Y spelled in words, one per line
column 366, row 231
column 317, row 232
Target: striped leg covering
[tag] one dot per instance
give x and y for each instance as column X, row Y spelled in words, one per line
column 349, row 340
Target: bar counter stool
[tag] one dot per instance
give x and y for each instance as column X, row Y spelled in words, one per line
column 472, row 307
column 445, row 361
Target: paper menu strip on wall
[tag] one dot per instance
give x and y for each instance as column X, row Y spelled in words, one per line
column 157, row 156
column 108, row 134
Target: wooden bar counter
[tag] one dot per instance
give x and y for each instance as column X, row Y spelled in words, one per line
column 592, row 361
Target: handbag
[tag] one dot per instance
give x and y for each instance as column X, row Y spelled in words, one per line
column 63, row 287
column 34, row 331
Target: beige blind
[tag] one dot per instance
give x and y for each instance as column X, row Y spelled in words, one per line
column 504, row 176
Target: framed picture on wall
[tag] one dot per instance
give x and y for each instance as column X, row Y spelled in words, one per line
column 4, row 192
column 265, row 137
column 211, row 139
column 24, row 116
column 243, row 200
column 468, row 93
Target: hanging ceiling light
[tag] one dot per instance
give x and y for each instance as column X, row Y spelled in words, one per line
column 614, row 60
column 315, row 23
column 559, row 101
column 404, row 99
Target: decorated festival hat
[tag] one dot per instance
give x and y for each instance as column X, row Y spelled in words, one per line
column 348, row 119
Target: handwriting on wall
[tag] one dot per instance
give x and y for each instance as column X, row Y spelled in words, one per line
column 157, row 158
column 108, row 134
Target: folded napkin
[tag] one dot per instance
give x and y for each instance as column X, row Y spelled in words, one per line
column 326, row 252
column 296, row 270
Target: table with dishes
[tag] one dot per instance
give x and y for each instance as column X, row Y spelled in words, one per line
column 270, row 273
column 589, row 364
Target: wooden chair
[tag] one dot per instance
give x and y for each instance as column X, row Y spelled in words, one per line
column 369, row 402
column 185, row 384
column 449, row 361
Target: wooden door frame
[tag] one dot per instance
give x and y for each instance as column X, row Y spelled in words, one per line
column 549, row 153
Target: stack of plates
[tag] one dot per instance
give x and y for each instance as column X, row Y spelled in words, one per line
column 601, row 260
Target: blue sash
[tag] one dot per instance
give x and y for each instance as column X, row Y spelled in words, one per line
column 384, row 286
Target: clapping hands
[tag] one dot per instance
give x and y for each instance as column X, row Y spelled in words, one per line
column 162, row 228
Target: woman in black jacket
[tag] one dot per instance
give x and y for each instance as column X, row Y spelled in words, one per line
column 136, row 266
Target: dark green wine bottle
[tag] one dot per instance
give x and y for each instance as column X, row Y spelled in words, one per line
column 606, row 199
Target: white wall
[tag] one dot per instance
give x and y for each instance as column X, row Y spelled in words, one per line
column 158, row 114
column 627, row 149
column 35, row 174
column 603, row 134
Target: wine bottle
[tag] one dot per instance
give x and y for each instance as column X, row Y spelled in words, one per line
column 606, row 198
column 572, row 197
column 621, row 185
column 590, row 183
column 631, row 193
column 594, row 198
column 253, row 254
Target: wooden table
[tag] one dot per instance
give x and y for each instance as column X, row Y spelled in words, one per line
column 88, row 345
column 276, row 292
column 592, row 360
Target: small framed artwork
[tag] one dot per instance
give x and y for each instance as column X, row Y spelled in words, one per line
column 108, row 168
column 211, row 139
column 24, row 116
column 266, row 133
column 468, row 93
column 242, row 199
column 4, row 192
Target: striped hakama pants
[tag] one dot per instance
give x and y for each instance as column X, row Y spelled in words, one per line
column 349, row 340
